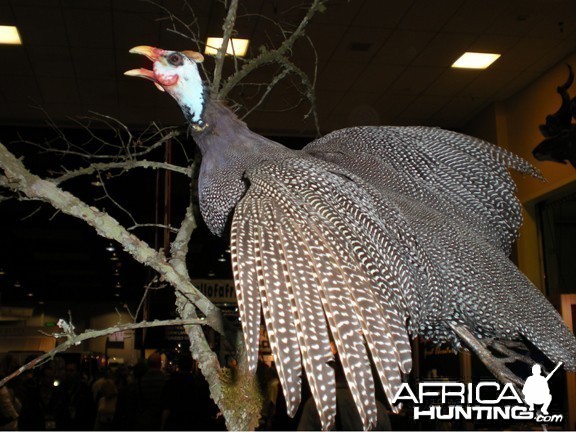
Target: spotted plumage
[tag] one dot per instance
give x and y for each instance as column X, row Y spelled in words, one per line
column 368, row 236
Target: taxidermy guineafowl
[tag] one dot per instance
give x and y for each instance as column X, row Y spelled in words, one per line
column 368, row 236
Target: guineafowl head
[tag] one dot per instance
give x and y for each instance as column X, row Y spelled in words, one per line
column 176, row 73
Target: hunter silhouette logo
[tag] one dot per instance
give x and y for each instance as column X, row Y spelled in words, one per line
column 536, row 390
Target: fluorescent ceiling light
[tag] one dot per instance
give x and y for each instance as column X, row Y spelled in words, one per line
column 474, row 60
column 9, row 35
column 236, row 47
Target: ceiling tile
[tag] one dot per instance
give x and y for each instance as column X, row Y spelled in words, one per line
column 415, row 80
column 338, row 75
column 15, row 61
column 133, row 92
column 36, row 3
column 376, row 79
column 95, row 62
column 93, row 91
column 280, row 122
column 351, row 100
column 489, row 82
column 459, row 110
column 22, row 89
column 106, row 108
column 494, row 43
column 518, row 17
column 339, row 12
column 524, row 53
column 325, row 38
column 20, row 113
column 325, row 104
column 423, row 107
column 145, row 114
column 89, row 28
column 52, row 61
column 59, row 91
column 389, row 105
column 444, row 49
column 6, row 15
column 429, row 15
column 382, row 14
column 557, row 22
column 360, row 44
column 474, row 16
column 358, row 109
column 201, row 8
column 88, row 4
column 144, row 29
column 166, row 112
column 402, row 47
column 451, row 82
column 41, row 25
column 65, row 109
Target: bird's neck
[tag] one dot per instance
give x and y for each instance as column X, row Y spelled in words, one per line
column 229, row 149
column 223, row 136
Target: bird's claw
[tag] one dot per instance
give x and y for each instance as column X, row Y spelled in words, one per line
column 496, row 365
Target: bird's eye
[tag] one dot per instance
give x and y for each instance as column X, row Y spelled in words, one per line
column 175, row 59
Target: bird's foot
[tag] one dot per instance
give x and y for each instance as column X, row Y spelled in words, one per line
column 496, row 365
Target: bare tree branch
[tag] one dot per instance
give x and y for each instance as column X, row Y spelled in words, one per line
column 236, row 394
column 73, row 339
column 271, row 56
column 21, row 180
column 227, row 27
column 124, row 166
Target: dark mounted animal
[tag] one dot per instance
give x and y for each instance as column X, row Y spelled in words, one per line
column 559, row 131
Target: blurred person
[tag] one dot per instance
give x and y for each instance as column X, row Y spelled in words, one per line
column 140, row 405
column 9, row 404
column 347, row 417
column 38, row 401
column 73, row 404
column 106, row 400
column 181, row 405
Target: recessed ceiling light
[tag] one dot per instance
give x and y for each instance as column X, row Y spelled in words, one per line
column 474, row 60
column 9, row 35
column 236, row 47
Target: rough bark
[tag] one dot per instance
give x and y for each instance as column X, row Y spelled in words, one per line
column 240, row 411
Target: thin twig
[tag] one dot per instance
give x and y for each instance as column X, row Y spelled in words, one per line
column 92, row 334
column 124, row 166
column 227, row 27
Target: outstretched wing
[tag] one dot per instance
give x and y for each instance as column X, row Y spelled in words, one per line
column 458, row 199
column 307, row 246
column 464, row 178
column 396, row 231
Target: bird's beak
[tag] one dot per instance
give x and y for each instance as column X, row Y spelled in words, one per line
column 153, row 54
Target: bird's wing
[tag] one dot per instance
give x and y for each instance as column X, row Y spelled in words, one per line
column 311, row 248
column 457, row 199
column 462, row 177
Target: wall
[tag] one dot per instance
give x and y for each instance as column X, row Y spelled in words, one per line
column 29, row 329
column 524, row 113
column 513, row 124
column 127, row 353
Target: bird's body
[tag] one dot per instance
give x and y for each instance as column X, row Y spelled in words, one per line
column 368, row 236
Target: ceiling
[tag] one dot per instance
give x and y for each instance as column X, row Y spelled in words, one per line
column 379, row 61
